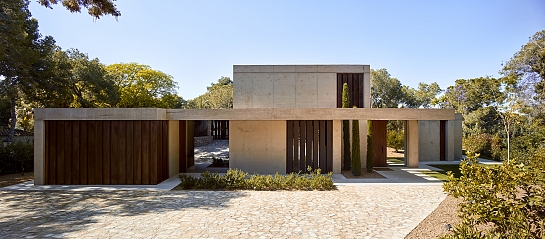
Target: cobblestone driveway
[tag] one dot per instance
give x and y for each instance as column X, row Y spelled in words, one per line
column 374, row 211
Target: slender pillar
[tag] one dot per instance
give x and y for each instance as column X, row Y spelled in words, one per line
column 39, row 152
column 173, row 147
column 337, row 146
column 411, row 149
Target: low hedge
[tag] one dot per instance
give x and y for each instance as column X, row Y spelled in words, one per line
column 236, row 179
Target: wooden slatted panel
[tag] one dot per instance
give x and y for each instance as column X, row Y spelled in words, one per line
column 309, row 143
column 106, row 152
column 379, row 142
column 355, row 89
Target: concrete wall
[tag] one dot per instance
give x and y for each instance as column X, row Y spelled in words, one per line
column 457, row 124
column 429, row 139
column 258, row 146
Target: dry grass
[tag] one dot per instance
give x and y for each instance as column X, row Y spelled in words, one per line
column 12, row 179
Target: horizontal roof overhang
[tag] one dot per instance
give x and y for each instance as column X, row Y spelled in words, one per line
column 243, row 114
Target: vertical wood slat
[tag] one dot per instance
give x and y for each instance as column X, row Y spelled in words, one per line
column 60, row 155
column 309, row 144
column 329, row 145
column 137, row 152
column 153, row 153
column 296, row 145
column 67, row 145
column 322, row 147
column 302, row 142
column 360, row 91
column 122, row 146
column 99, row 154
column 442, row 139
column 83, row 170
column 145, row 152
column 289, row 146
column 379, row 142
column 91, row 152
column 74, row 154
column 164, row 159
column 106, row 152
column 315, row 143
column 114, row 151
column 129, row 163
column 339, row 90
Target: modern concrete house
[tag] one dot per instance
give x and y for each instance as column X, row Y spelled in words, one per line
column 285, row 118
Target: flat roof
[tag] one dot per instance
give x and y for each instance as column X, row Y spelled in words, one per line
column 243, row 114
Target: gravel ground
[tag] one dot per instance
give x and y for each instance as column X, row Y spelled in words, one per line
column 434, row 225
column 12, row 179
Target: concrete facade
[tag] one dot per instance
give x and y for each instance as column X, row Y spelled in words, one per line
column 265, row 97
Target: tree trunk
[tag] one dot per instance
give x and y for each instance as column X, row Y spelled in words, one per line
column 13, row 120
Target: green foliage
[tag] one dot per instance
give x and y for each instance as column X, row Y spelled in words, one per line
column 17, row 157
column 218, row 95
column 236, row 179
column 95, row 8
column 141, row 86
column 423, row 96
column 356, row 157
column 509, row 199
column 346, row 131
column 396, row 140
column 369, row 161
column 386, row 91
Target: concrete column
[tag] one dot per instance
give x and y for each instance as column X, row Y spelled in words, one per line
column 173, row 147
column 457, row 128
column 450, row 140
column 363, row 143
column 337, row 146
column 412, row 149
column 39, row 152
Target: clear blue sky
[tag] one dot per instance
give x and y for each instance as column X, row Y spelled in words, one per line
column 197, row 42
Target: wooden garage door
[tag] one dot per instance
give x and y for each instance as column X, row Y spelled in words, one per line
column 106, row 152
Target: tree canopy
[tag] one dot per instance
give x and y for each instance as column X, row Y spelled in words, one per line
column 95, row 8
column 141, row 86
column 218, row 95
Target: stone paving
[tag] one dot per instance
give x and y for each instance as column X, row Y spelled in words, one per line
column 218, row 148
column 363, row 211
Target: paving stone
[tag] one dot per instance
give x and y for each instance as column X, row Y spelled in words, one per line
column 368, row 211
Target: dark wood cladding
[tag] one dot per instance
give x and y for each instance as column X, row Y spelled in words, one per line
column 442, row 140
column 106, row 152
column 186, row 144
column 379, row 142
column 309, row 143
column 355, row 89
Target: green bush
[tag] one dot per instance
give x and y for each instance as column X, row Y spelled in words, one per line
column 396, row 140
column 508, row 201
column 236, row 179
column 17, row 157
column 356, row 158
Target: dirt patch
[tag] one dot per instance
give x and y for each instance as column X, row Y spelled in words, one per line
column 12, row 179
column 390, row 152
column 435, row 225
column 348, row 174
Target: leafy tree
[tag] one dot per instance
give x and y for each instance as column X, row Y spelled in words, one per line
column 95, row 8
column 218, row 95
column 141, row 86
column 23, row 54
column 369, row 157
column 346, row 130
column 386, row 91
column 423, row 96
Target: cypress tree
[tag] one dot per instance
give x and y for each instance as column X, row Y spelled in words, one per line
column 356, row 158
column 369, row 161
column 346, row 128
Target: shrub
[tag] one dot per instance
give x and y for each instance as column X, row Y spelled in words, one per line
column 236, row 179
column 508, row 200
column 17, row 157
column 356, row 158
column 396, row 140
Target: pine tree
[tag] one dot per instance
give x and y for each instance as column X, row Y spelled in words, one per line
column 356, row 158
column 369, row 162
